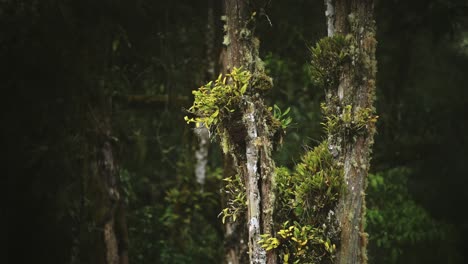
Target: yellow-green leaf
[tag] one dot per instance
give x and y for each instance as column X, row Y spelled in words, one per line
column 244, row 88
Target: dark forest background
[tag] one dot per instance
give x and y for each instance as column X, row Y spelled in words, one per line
column 75, row 73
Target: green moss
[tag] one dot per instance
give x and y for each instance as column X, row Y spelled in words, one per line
column 306, row 198
column 218, row 105
column 245, row 33
column 331, row 54
column 318, row 182
column 261, row 81
column 226, row 40
column 237, row 201
column 308, row 195
column 328, row 57
column 348, row 120
column 219, row 99
column 225, row 143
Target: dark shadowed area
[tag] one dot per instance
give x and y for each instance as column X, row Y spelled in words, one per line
column 101, row 164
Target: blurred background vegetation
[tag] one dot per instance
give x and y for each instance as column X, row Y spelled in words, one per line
column 62, row 58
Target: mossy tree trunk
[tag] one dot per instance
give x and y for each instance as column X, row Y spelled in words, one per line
column 353, row 93
column 235, row 233
column 248, row 131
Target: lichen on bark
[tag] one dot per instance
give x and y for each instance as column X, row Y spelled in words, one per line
column 243, row 122
column 349, row 103
column 306, row 230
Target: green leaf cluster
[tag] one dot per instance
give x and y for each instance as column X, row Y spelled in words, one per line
column 299, row 243
column 219, row 98
column 318, row 182
column 328, row 57
column 353, row 121
column 281, row 116
column 180, row 226
column 394, row 219
column 237, row 201
column 306, row 197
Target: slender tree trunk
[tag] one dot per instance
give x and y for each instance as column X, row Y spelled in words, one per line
column 201, row 154
column 104, row 234
column 113, row 222
column 356, row 89
column 250, row 135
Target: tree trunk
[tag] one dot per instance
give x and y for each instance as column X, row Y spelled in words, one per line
column 109, row 211
column 251, row 155
column 235, row 233
column 104, row 237
column 202, row 133
column 355, row 91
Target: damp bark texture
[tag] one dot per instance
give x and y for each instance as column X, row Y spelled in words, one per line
column 356, row 88
column 248, row 131
column 114, row 236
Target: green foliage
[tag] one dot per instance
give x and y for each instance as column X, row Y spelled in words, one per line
column 128, row 193
column 282, row 117
column 214, row 101
column 294, row 90
column 395, row 221
column 328, row 56
column 182, row 227
column 318, row 182
column 300, row 244
column 128, row 47
column 261, row 81
column 236, row 199
column 348, row 121
column 307, row 197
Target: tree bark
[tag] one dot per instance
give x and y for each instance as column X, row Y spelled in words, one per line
column 235, row 233
column 114, row 225
column 251, row 134
column 356, row 88
column 106, row 240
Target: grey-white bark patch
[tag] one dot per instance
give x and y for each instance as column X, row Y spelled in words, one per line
column 330, row 14
column 253, row 224
column 341, row 91
column 259, row 254
column 201, row 154
column 256, row 252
